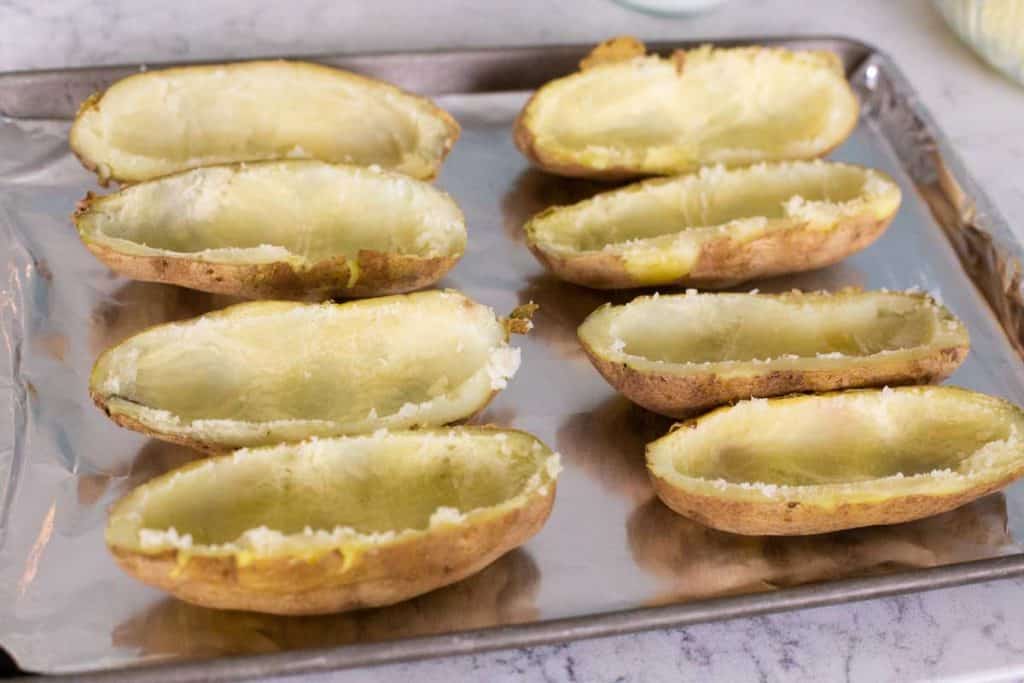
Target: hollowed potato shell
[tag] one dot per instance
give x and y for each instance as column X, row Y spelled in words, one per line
column 265, row 372
column 680, row 354
column 160, row 122
column 335, row 524
column 626, row 114
column 283, row 229
column 819, row 463
column 717, row 227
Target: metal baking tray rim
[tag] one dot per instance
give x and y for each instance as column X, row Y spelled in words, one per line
column 610, row 623
column 660, row 46
column 551, row 631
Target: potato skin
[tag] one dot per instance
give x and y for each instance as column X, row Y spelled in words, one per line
column 336, row 581
column 792, row 518
column 682, row 396
column 104, row 174
column 619, row 49
column 516, row 323
column 822, row 508
column 723, row 262
column 378, row 274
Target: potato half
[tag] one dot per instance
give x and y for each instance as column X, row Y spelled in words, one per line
column 335, row 524
column 626, row 113
column 159, row 122
column 278, row 229
column 818, row 463
column 681, row 353
column 265, row 372
column 717, row 227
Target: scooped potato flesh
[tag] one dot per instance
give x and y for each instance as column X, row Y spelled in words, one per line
column 715, row 328
column 372, row 484
column 160, row 122
column 732, row 106
column 420, row 359
column 846, row 437
column 694, row 208
column 292, row 210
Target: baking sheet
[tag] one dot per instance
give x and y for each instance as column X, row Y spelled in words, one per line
column 610, row 553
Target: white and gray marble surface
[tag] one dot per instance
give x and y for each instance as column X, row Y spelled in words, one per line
column 968, row 633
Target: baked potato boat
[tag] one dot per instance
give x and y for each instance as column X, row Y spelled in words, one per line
column 280, row 229
column 156, row 123
column 266, row 372
column 717, row 227
column 331, row 525
column 682, row 353
column 811, row 464
column 627, row 113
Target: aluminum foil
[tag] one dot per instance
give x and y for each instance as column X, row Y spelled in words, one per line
column 610, row 545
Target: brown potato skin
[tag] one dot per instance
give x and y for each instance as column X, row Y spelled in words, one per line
column 330, row 583
column 379, row 274
column 685, row 395
column 793, row 518
column 623, row 48
column 95, row 101
column 724, row 263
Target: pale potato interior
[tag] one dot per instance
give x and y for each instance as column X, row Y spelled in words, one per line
column 713, row 328
column 841, row 438
column 310, row 210
column 160, row 122
column 372, row 485
column 712, row 198
column 718, row 106
column 353, row 366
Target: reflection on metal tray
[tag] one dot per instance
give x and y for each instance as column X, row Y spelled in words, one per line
column 612, row 558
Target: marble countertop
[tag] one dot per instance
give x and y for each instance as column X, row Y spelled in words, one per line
column 967, row 633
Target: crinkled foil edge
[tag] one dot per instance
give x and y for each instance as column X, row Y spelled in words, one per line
column 12, row 333
column 981, row 237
